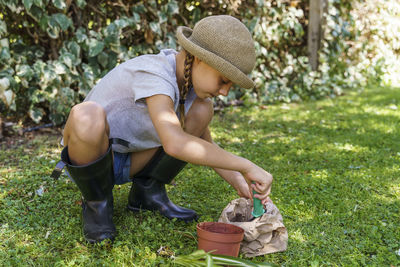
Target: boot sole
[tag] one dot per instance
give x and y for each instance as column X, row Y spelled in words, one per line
column 136, row 210
column 111, row 239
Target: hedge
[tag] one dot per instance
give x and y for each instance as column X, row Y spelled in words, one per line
column 52, row 52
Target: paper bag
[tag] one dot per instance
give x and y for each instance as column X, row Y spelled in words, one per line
column 263, row 235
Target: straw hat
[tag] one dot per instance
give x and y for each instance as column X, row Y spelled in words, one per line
column 224, row 43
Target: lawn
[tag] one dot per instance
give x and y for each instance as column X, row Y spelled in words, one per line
column 336, row 168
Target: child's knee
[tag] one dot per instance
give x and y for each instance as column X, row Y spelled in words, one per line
column 202, row 111
column 87, row 119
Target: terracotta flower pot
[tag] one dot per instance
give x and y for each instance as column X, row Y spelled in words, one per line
column 222, row 237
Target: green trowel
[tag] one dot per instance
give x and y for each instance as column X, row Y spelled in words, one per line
column 258, row 208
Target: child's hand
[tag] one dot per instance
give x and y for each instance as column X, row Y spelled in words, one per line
column 242, row 187
column 263, row 182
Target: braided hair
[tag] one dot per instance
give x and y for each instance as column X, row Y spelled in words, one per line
column 187, row 76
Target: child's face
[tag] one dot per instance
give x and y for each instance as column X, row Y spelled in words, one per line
column 208, row 82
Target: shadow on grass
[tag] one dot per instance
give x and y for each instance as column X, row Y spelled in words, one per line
column 336, row 168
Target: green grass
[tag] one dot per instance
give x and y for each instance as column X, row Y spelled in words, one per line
column 336, row 168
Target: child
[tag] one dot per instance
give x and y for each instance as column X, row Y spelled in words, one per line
column 149, row 116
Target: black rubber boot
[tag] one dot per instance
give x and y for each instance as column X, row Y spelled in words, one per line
column 148, row 189
column 95, row 181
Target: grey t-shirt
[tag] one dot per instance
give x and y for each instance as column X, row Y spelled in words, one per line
column 122, row 94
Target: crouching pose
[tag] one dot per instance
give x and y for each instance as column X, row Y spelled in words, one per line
column 149, row 116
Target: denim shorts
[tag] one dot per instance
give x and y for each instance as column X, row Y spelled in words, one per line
column 122, row 165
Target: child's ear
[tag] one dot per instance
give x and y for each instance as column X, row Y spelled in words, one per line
column 196, row 60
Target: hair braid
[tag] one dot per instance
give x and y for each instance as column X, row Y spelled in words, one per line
column 187, row 76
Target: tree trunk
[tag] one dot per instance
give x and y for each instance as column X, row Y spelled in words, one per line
column 1, row 128
column 317, row 8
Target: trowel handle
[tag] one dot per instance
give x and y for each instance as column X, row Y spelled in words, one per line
column 258, row 208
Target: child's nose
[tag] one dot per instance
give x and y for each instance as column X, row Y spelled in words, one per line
column 225, row 89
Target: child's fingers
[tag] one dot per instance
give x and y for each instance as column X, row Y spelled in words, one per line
column 246, row 194
column 260, row 188
column 263, row 192
column 244, row 190
column 262, row 197
column 254, row 187
column 265, row 200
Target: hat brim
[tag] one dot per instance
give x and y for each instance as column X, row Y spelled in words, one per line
column 226, row 68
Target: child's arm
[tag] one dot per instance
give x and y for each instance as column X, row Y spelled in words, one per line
column 195, row 150
column 234, row 178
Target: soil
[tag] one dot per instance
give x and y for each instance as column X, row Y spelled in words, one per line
column 239, row 218
column 10, row 139
column 220, row 228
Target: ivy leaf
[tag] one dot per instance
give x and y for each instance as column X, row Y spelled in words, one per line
column 95, row 34
column 49, row 75
column 251, row 25
column 67, row 92
column 112, row 60
column 87, row 79
column 196, row 15
column 28, row 4
column 136, row 17
column 53, row 32
column 173, row 8
column 155, row 27
column 63, row 21
column 171, row 40
column 102, row 58
column 57, row 118
column 11, row 5
column 36, row 13
column 260, row 3
column 3, row 28
column 39, row 66
column 111, row 29
column 59, row 68
column 24, row 71
column 95, row 47
column 74, row 48
column 8, row 96
column 44, row 22
column 53, row 27
column 5, row 53
column 68, row 59
column 36, row 114
column 4, row 84
column 81, row 35
column 4, row 43
column 298, row 29
column 81, row 3
column 112, row 41
column 39, row 3
column 139, row 9
column 162, row 17
column 60, row 4
column 121, row 23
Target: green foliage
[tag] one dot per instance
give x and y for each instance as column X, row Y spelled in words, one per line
column 378, row 50
column 336, row 168
column 52, row 52
column 201, row 258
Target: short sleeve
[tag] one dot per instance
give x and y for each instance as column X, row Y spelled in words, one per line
column 148, row 84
